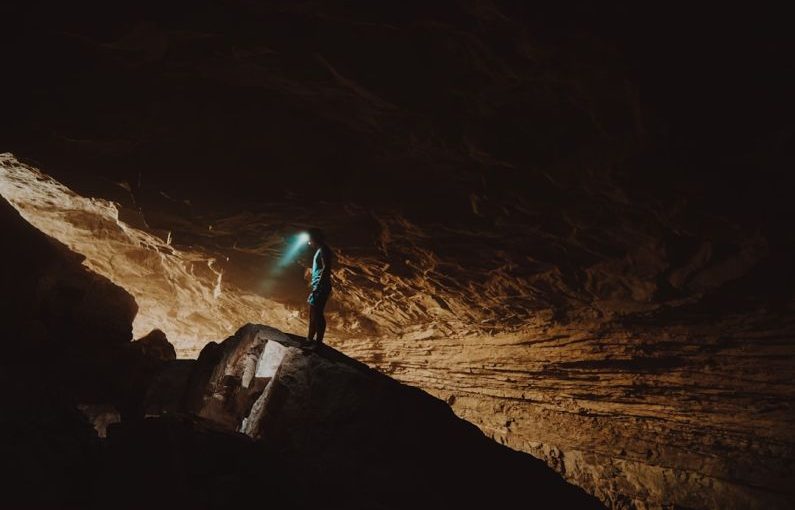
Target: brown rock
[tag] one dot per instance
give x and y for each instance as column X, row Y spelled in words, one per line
column 155, row 345
column 352, row 430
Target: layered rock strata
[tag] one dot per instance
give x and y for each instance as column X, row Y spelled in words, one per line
column 696, row 414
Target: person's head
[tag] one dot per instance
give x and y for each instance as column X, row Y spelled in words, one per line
column 316, row 237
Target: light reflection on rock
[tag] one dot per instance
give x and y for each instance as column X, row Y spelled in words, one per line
column 177, row 291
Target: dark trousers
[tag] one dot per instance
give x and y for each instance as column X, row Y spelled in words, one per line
column 317, row 321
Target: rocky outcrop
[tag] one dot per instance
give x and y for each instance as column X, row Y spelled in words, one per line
column 48, row 294
column 67, row 369
column 155, row 345
column 355, row 432
column 178, row 291
column 61, row 322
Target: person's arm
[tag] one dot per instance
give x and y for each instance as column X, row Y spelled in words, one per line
column 326, row 267
column 318, row 263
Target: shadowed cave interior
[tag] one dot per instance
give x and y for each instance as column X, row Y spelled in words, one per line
column 564, row 271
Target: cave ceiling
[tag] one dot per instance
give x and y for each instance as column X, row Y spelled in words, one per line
column 488, row 163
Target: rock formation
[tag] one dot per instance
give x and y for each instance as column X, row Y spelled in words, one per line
column 354, row 437
column 66, row 364
column 570, row 222
column 350, row 430
column 698, row 413
column 61, row 321
column 178, row 290
column 156, row 345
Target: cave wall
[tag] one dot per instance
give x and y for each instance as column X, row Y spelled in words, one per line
column 69, row 359
column 658, row 411
column 178, row 290
column 674, row 393
column 60, row 320
column 570, row 222
column 67, row 367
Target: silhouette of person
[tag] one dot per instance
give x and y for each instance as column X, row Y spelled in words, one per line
column 320, row 286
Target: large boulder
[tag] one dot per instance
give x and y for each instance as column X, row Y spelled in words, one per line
column 355, row 432
column 155, row 345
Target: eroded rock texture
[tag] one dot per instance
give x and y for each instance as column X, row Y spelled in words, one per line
column 178, row 290
column 572, row 222
column 697, row 414
column 329, row 431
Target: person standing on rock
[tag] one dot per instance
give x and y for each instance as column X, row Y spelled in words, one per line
column 320, row 286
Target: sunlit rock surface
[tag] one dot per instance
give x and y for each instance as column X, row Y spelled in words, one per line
column 178, row 291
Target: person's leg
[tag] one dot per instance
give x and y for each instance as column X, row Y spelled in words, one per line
column 321, row 326
column 320, row 323
column 312, row 323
